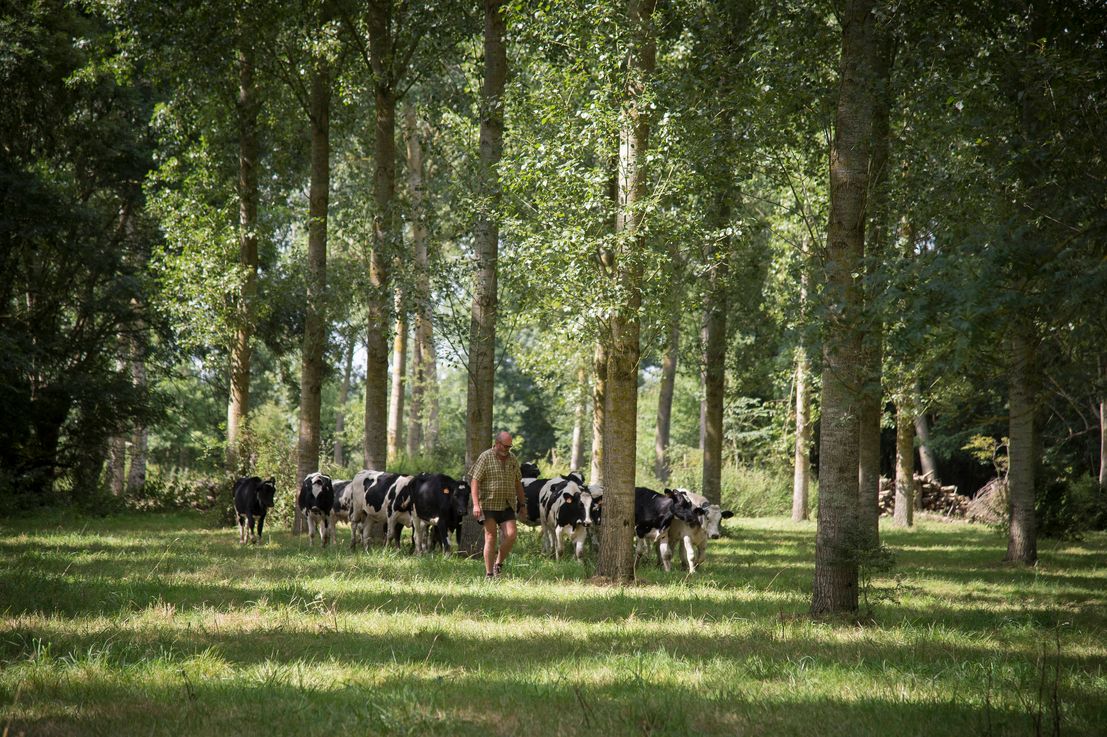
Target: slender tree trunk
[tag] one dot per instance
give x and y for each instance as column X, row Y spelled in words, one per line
column 1103, row 444
column 399, row 379
column 343, row 397
column 576, row 453
column 904, row 511
column 116, row 471
column 384, row 235
column 241, row 350
column 482, row 326
column 665, row 396
column 835, row 588
column 315, row 321
column 1022, row 542
column 616, row 555
column 715, row 359
column 927, row 463
column 136, row 476
column 423, row 326
column 599, row 409
column 703, row 385
column 801, row 483
column 431, row 355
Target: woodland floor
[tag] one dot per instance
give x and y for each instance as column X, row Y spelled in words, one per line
column 161, row 625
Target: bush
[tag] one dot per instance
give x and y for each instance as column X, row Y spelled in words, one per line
column 1066, row 509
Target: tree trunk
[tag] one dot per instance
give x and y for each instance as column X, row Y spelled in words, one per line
column 616, row 555
column 431, row 356
column 927, row 463
column 665, row 396
column 136, row 476
column 399, row 378
column 482, row 324
column 1103, row 444
column 599, row 408
column 904, row 512
column 872, row 342
column 836, row 574
column 801, row 483
column 343, row 397
column 242, row 349
column 576, row 452
column 1022, row 542
column 703, row 385
column 420, row 354
column 714, row 352
column 116, row 471
column 384, row 235
column 315, row 320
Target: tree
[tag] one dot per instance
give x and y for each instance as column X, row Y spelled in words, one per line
column 835, row 587
column 616, row 558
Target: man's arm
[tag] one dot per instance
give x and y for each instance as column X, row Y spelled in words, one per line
column 474, row 487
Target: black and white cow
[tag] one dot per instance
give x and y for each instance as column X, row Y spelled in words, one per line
column 356, row 491
column 529, row 471
column 691, row 536
column 654, row 515
column 565, row 511
column 384, row 502
column 316, row 504
column 253, row 498
column 440, row 503
column 399, row 510
column 342, row 500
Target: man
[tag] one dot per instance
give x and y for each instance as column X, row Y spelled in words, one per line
column 496, row 486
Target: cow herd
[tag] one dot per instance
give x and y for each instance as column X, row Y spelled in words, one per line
column 433, row 505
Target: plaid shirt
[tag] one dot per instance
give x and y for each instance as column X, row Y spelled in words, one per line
column 497, row 480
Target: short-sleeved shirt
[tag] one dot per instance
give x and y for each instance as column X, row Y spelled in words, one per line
column 497, row 480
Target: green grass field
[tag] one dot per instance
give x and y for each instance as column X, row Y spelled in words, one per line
column 159, row 625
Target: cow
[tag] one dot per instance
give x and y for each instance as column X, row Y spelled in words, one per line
column 529, row 471
column 399, row 508
column 440, row 502
column 356, row 492
column 692, row 536
column 565, row 511
column 316, row 504
column 596, row 492
column 342, row 500
column 383, row 502
column 654, row 515
column 253, row 498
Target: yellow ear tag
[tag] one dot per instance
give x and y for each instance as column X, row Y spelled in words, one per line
column 445, row 491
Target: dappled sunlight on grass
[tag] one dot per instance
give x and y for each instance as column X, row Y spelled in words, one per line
column 150, row 622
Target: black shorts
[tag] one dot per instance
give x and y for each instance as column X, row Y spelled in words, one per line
column 500, row 515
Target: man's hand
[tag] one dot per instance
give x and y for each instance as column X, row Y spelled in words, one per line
column 476, row 512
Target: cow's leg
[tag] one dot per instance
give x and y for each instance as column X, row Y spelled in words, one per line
column 311, row 528
column 241, row 520
column 261, row 526
column 557, row 543
column 418, row 531
column 444, row 536
column 701, row 553
column 578, row 538
column 689, row 553
column 665, row 553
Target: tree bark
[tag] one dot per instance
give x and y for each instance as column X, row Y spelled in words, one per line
column 343, row 397
column 116, row 471
column 136, row 476
column 1022, row 542
column 422, row 349
column 665, row 396
column 801, row 483
column 576, row 452
column 616, row 555
column 904, row 511
column 703, row 385
column 836, row 568
column 482, row 324
column 399, row 379
column 315, row 321
column 927, row 463
column 872, row 341
column 714, row 352
column 242, row 349
column 384, row 235
column 599, row 409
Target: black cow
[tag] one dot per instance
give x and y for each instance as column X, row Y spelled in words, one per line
column 529, row 470
column 653, row 515
column 253, row 497
column 440, row 502
column 316, row 503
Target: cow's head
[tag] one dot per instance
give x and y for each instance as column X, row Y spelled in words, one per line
column 713, row 516
column 572, row 510
column 459, row 500
column 529, row 470
column 576, row 477
column 682, row 507
column 596, row 495
column 267, row 489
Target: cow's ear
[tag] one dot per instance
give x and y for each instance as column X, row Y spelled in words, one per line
column 727, row 514
column 272, row 481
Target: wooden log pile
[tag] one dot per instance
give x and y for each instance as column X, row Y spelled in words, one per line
column 930, row 495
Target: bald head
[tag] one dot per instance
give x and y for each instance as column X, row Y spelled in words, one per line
column 503, row 444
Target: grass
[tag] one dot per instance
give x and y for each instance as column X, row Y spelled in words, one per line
column 156, row 624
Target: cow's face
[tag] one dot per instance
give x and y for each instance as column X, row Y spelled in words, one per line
column 318, row 484
column 586, row 509
column 459, row 500
column 571, row 511
column 682, row 507
column 712, row 516
column 266, row 491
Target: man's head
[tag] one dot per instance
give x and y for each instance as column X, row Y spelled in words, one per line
column 502, row 444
